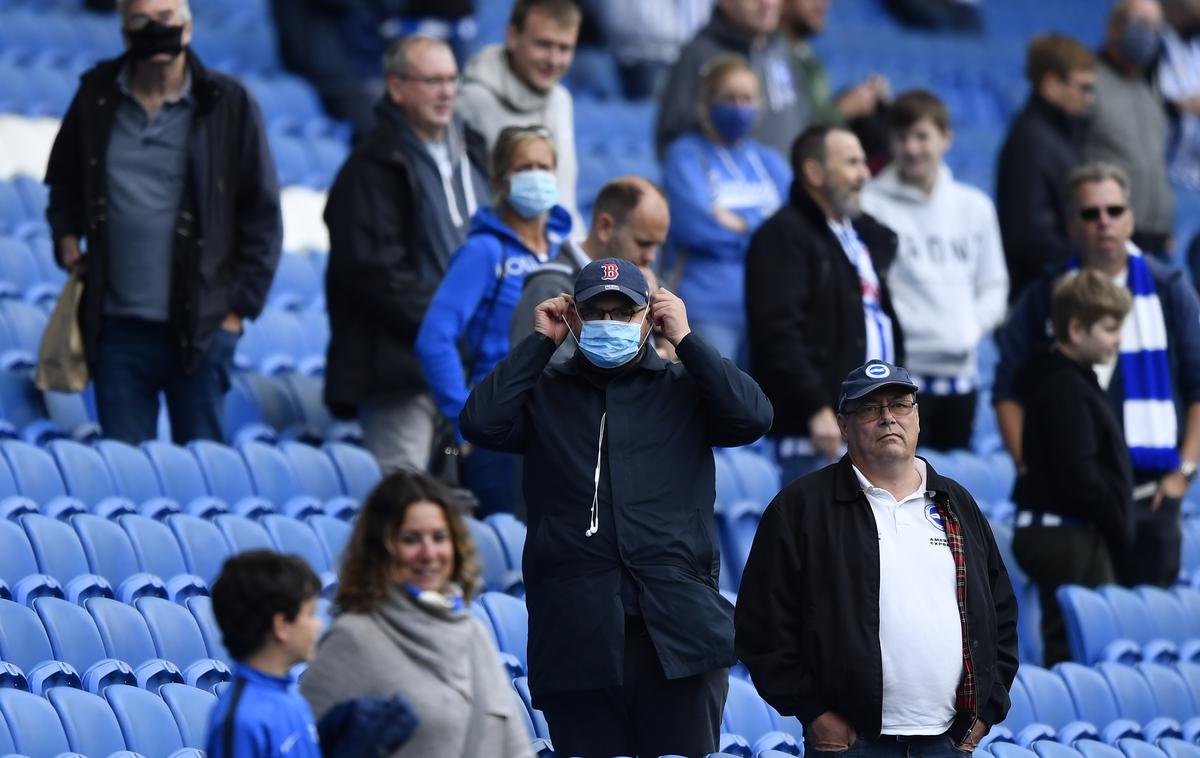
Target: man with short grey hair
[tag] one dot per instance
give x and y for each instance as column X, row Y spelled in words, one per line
column 163, row 167
column 399, row 207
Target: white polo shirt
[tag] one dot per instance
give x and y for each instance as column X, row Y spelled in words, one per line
column 920, row 636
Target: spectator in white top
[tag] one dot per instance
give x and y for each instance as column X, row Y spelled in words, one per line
column 517, row 84
column 646, row 38
column 949, row 282
column 1179, row 80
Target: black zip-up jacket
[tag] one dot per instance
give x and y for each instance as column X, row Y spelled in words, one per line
column 1075, row 448
column 804, row 308
column 808, row 607
column 229, row 232
column 656, row 498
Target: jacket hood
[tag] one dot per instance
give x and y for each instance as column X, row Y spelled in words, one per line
column 486, row 221
column 490, row 69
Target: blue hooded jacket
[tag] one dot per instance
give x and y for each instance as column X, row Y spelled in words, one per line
column 271, row 719
column 473, row 306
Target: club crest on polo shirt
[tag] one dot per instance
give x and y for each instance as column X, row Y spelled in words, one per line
column 935, row 518
column 878, row 371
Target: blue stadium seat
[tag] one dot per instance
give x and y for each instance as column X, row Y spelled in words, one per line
column 333, row 534
column 21, row 327
column 295, row 285
column 158, row 552
column 512, row 535
column 1052, row 705
column 746, row 714
column 1173, row 698
column 728, row 483
column 132, row 473
column 126, row 637
column 1097, row 749
column 146, row 721
column 37, row 477
column 201, row 543
column 18, row 270
column 110, row 554
column 21, row 406
column 33, row 724
column 1022, row 723
column 1092, row 627
column 75, row 639
column 59, row 554
column 1189, row 598
column 1170, row 620
column 737, row 524
column 202, row 611
column 12, row 209
column 19, row 569
column 272, row 344
column 1134, row 748
column 315, row 321
column 177, row 638
column 296, row 537
column 181, row 479
column 320, row 478
column 497, row 577
column 1135, row 701
column 227, row 477
column 191, row 708
column 527, row 716
column 87, row 720
column 540, row 728
column 242, row 534
column 1052, row 749
column 74, row 413
column 1135, row 621
column 1191, row 676
column 275, row 480
column 759, row 476
column 1095, row 702
column 1009, row 750
column 1177, row 748
column 357, row 468
column 315, row 424
column 257, row 407
column 510, row 621
column 87, row 478
column 24, row 641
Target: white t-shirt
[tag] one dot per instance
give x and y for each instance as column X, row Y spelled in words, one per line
column 920, row 636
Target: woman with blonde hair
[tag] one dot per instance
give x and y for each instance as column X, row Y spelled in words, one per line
column 402, row 627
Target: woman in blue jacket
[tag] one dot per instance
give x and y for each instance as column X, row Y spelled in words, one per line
column 465, row 331
column 721, row 185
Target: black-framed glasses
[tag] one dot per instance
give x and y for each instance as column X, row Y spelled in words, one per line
column 1092, row 213
column 433, row 81
column 623, row 313
column 872, row 411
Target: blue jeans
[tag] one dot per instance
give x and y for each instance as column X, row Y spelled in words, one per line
column 136, row 360
column 932, row 746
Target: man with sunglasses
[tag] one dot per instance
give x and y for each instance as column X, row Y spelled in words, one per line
column 875, row 606
column 1153, row 384
column 630, row 640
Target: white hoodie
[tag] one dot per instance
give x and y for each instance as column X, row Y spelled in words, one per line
column 492, row 97
column 949, row 283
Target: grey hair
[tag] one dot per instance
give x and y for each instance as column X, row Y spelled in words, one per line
column 395, row 58
column 1093, row 173
column 185, row 10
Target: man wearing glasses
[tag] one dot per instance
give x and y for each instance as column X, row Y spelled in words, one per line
column 875, row 606
column 401, row 204
column 1153, row 383
column 630, row 641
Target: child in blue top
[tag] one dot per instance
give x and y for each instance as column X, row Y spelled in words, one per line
column 265, row 604
column 722, row 186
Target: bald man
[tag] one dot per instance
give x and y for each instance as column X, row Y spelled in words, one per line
column 1129, row 126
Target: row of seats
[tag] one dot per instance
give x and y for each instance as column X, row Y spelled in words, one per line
column 282, row 341
column 23, row 202
column 1115, row 623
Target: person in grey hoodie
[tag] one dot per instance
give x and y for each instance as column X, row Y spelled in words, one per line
column 517, row 84
column 749, row 28
column 949, row 283
column 401, row 204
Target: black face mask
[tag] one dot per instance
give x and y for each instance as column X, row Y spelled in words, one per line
column 155, row 38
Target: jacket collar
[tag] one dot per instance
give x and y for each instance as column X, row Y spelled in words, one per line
column 847, row 487
column 205, row 88
column 1056, row 117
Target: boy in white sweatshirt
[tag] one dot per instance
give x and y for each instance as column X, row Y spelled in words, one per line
column 949, row 283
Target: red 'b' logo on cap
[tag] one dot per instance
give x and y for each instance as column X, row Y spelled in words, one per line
column 609, row 272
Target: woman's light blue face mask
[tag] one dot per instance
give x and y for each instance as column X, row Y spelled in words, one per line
column 609, row 344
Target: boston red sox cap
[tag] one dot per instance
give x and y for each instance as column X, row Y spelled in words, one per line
column 871, row 376
column 612, row 275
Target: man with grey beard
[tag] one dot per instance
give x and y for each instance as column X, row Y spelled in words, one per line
column 816, row 300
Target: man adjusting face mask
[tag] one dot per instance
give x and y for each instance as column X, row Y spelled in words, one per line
column 609, row 296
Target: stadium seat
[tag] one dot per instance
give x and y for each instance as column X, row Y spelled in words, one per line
column 1135, row 701
column 293, row 536
column 191, row 708
column 319, row 477
column 1177, row 748
column 512, row 537
column 18, row 270
column 1052, row 749
column 242, row 534
column 1173, row 698
column 510, row 621
column 127, row 638
column 19, row 568
column 357, row 468
column 181, row 479
column 21, row 327
column 1092, row 628
column 33, row 724
column 24, row 642
column 88, row 722
column 295, row 285
column 59, row 554
column 177, row 638
column 227, row 477
column 1135, row 621
column 1094, row 701
column 1097, row 749
column 540, row 728
column 257, row 407
column 159, row 553
column 728, row 483
column 203, row 547
column 527, row 716
column 146, row 721
column 75, row 640
column 132, row 473
column 37, row 477
column 69, row 412
column 1133, row 748
column 1052, row 705
column 202, row 611
column 758, row 475
column 314, row 424
column 1189, row 598
column 21, row 405
column 1170, row 620
column 746, row 714
column 333, row 534
column 1022, row 723
column 275, row 480
column 87, row 478
column 1009, row 750
column 110, row 554
column 272, row 344
column 497, row 576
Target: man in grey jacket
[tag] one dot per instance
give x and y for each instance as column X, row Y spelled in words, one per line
column 749, row 28
column 517, row 84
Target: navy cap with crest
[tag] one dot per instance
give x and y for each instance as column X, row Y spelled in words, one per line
column 612, row 275
column 871, row 376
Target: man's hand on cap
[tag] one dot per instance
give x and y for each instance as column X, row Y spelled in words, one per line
column 549, row 318
column 668, row 311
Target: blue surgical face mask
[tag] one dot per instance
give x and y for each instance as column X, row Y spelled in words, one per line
column 609, row 344
column 532, row 193
column 732, row 122
column 1139, row 44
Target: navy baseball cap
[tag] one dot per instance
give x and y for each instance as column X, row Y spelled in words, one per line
column 871, row 376
column 612, row 275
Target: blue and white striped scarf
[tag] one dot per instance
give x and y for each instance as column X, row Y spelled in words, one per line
column 1151, row 426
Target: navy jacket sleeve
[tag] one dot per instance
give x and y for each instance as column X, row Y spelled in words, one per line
column 259, row 224
column 1020, row 335
column 494, row 416
column 738, row 411
column 64, row 212
column 1183, row 335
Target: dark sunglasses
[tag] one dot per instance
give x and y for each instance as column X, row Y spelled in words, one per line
column 1093, row 213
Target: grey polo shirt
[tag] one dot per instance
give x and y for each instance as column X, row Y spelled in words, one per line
column 146, row 170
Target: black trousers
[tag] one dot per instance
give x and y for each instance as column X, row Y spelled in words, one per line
column 947, row 420
column 1157, row 550
column 1056, row 555
column 647, row 716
